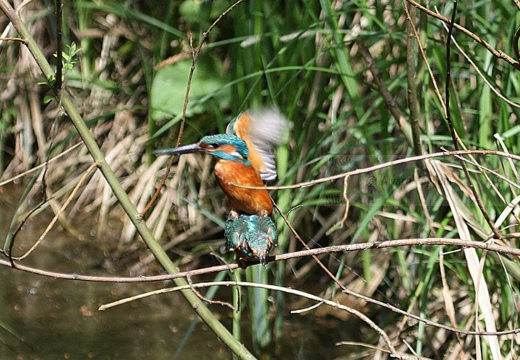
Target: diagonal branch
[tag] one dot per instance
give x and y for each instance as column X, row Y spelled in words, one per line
column 112, row 180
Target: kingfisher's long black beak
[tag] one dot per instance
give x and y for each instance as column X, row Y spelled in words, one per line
column 186, row 149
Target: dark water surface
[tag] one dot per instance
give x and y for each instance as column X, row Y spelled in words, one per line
column 45, row 318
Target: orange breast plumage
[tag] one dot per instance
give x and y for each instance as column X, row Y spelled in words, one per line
column 243, row 200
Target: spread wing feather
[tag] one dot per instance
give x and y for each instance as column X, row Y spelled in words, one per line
column 261, row 130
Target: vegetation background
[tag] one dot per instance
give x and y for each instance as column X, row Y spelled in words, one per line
column 362, row 84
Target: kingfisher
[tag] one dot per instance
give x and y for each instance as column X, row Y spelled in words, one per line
column 245, row 156
column 250, row 237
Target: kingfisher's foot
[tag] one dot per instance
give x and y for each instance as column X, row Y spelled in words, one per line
column 243, row 264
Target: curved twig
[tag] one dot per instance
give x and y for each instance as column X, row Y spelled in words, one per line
column 91, row 168
column 360, row 315
column 303, row 294
column 286, row 290
column 383, row 166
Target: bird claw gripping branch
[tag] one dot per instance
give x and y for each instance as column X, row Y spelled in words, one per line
column 245, row 156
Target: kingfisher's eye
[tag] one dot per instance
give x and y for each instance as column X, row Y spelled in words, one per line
column 210, row 146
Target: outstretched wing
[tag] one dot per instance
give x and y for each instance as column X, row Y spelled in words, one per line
column 261, row 130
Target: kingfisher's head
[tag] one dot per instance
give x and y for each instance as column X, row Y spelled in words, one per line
column 222, row 146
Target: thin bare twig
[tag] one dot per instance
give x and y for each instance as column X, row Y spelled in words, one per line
column 40, row 166
column 18, row 229
column 11, row 238
column 203, row 298
column 411, row 78
column 390, row 102
column 228, row 284
column 13, row 39
column 455, row 137
column 482, row 76
column 195, row 53
column 383, row 166
column 299, row 293
column 453, row 132
column 355, row 312
column 497, row 53
column 195, row 56
column 57, row 215
column 341, row 222
column 488, row 245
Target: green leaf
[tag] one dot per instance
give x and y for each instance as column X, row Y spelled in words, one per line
column 190, row 10
column 48, row 98
column 207, row 88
